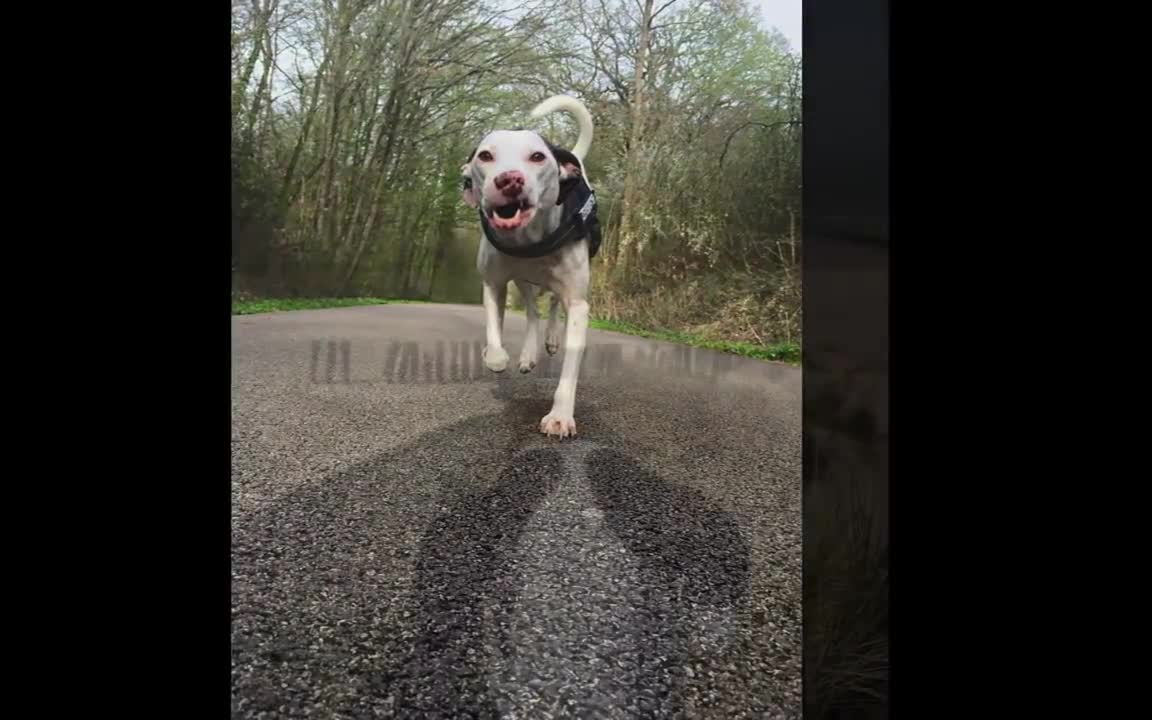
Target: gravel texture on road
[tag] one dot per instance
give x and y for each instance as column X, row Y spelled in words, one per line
column 406, row 544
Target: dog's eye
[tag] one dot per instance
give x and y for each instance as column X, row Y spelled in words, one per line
column 537, row 157
column 485, row 156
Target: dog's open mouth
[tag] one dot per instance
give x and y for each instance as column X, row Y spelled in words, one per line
column 512, row 215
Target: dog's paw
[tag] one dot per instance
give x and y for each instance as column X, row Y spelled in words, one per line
column 527, row 363
column 558, row 425
column 495, row 359
column 552, row 344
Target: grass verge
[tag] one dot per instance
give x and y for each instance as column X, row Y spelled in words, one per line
column 782, row 352
column 267, row 305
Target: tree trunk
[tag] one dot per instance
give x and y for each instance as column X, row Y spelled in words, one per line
column 260, row 20
column 627, row 229
column 263, row 89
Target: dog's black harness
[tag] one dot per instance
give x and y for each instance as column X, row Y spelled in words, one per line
column 579, row 221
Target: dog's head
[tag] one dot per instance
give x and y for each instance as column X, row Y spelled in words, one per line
column 514, row 174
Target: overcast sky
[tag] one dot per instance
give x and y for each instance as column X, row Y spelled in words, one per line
column 785, row 16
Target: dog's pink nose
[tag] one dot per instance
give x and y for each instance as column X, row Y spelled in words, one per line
column 510, row 183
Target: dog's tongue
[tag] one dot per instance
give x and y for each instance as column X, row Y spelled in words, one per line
column 511, row 222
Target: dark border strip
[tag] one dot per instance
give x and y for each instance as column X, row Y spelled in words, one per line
column 846, row 262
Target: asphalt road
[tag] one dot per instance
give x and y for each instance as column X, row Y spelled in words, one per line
column 407, row 544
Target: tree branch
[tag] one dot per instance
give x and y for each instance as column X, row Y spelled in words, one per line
column 767, row 126
column 663, row 7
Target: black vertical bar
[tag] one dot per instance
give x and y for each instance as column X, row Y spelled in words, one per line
column 440, row 374
column 314, row 370
column 330, row 368
column 390, row 360
column 845, row 358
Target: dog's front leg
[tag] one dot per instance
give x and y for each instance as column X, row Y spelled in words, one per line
column 495, row 296
column 552, row 339
column 561, row 420
column 531, row 349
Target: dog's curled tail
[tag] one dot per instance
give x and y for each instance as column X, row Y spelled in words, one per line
column 576, row 109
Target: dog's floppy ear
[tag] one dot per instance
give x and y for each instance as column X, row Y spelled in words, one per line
column 571, row 170
column 570, row 166
column 468, row 193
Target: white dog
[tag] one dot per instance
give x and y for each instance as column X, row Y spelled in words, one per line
column 537, row 212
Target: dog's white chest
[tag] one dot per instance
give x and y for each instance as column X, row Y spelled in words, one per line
column 563, row 273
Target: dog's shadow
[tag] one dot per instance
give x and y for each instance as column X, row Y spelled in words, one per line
column 323, row 614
